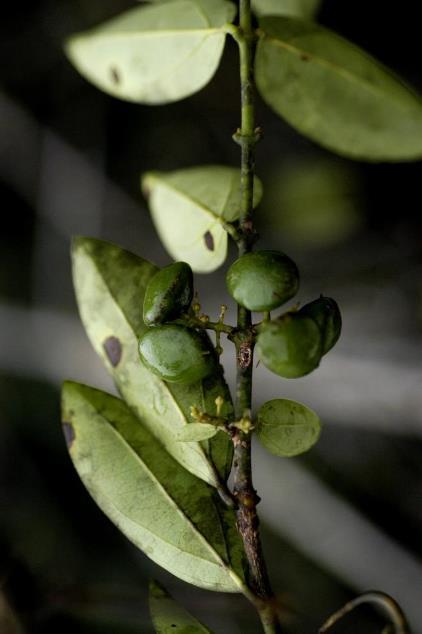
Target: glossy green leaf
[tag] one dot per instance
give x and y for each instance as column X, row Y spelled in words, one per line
column 168, row 616
column 110, row 284
column 305, row 9
column 176, row 519
column 196, row 432
column 154, row 54
column 334, row 93
column 287, row 428
column 189, row 208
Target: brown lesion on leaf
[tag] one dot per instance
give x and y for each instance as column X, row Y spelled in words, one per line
column 209, row 241
column 305, row 57
column 115, row 75
column 69, row 433
column 113, row 349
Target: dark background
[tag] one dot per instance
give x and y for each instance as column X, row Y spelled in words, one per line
column 346, row 517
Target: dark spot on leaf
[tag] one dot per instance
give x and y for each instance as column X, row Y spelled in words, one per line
column 305, row 57
column 115, row 75
column 209, row 241
column 113, row 350
column 69, row 434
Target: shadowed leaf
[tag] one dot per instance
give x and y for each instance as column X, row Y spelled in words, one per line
column 168, row 616
column 296, row 8
column 335, row 93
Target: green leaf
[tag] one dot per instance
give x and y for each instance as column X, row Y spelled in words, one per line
column 176, row 519
column 305, row 9
column 168, row 616
column 189, row 208
column 196, row 432
column 287, row 428
column 336, row 94
column 154, row 54
column 110, row 284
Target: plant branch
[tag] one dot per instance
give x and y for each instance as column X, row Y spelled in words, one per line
column 243, row 490
column 390, row 606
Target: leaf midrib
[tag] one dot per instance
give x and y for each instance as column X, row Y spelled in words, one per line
column 204, row 208
column 116, row 35
column 173, row 503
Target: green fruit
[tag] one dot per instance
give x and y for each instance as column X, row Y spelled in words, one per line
column 177, row 354
column 326, row 313
column 290, row 346
column 168, row 294
column 262, row 280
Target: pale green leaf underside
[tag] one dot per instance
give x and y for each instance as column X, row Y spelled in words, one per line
column 168, row 616
column 189, row 208
column 154, row 54
column 336, row 94
column 287, row 428
column 196, row 432
column 305, row 9
column 109, row 284
column 164, row 510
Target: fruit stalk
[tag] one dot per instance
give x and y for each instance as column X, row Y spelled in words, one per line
column 243, row 490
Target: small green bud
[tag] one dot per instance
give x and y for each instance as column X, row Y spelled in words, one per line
column 326, row 313
column 177, row 354
column 290, row 346
column 263, row 280
column 168, row 294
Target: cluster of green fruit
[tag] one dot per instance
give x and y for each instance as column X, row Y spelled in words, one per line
column 290, row 346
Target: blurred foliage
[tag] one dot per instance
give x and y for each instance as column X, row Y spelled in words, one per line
column 314, row 203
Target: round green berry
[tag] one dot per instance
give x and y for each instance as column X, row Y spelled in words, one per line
column 168, row 294
column 326, row 313
column 263, row 280
column 290, row 346
column 177, row 354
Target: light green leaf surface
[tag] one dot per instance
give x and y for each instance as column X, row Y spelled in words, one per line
column 176, row 519
column 168, row 616
column 189, row 208
column 287, row 428
column 334, row 93
column 110, row 284
column 196, row 432
column 154, row 54
column 305, row 9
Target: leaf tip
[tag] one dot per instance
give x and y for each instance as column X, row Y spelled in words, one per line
column 147, row 180
column 156, row 590
column 70, row 46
